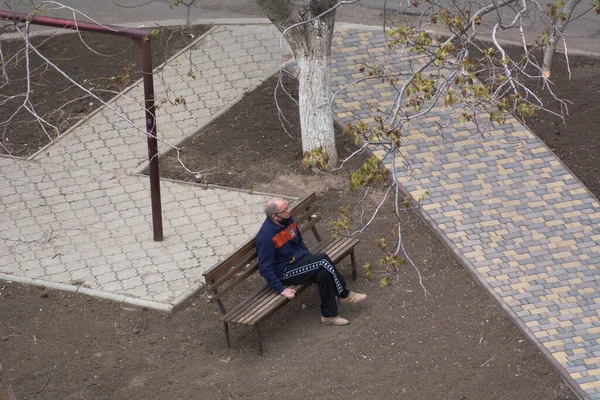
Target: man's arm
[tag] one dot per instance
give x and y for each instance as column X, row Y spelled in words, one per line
column 266, row 259
column 302, row 244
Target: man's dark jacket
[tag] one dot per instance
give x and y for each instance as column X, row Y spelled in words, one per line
column 278, row 246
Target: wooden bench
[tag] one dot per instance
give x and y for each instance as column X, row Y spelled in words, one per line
column 243, row 263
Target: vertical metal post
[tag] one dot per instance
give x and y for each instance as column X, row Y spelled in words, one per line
column 142, row 37
column 152, row 142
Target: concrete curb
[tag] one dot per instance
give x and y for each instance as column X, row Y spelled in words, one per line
column 119, row 298
column 100, row 294
column 147, row 304
column 38, row 30
column 184, row 297
column 55, row 285
column 17, row 279
column 265, row 21
column 438, row 33
column 230, row 189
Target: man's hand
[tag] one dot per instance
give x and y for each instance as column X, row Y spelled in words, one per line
column 289, row 293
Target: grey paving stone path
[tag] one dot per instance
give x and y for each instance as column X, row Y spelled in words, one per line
column 76, row 217
column 93, row 231
column 525, row 226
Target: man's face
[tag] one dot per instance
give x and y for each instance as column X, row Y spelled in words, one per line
column 283, row 211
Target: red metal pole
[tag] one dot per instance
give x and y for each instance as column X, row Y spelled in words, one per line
column 152, row 142
column 69, row 24
column 144, row 40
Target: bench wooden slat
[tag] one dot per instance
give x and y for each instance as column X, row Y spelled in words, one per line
column 304, row 203
column 334, row 249
column 254, row 302
column 270, row 306
column 304, row 215
column 318, row 247
column 341, row 248
column 218, row 270
column 221, row 273
column 281, row 300
column 260, row 307
column 247, row 304
column 240, row 278
column 237, row 268
column 337, row 249
column 251, row 300
column 264, row 304
column 269, row 302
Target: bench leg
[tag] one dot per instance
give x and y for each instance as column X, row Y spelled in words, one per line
column 259, row 336
column 353, row 265
column 226, row 327
column 316, row 232
column 219, row 302
column 221, row 307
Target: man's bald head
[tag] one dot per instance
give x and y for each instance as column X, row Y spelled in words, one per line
column 274, row 206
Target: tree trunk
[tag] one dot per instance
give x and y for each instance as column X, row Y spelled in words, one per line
column 6, row 392
column 311, row 43
column 314, row 91
column 555, row 35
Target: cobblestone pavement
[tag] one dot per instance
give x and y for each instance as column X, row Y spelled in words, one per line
column 75, row 218
column 93, row 231
column 523, row 224
column 518, row 218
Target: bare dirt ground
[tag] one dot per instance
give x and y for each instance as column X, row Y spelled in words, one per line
column 455, row 344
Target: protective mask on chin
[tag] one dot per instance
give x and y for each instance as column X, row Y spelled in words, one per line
column 284, row 221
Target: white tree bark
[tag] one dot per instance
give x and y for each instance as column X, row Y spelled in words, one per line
column 310, row 41
column 555, row 36
column 314, row 81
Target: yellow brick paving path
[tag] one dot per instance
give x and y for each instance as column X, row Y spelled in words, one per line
column 522, row 222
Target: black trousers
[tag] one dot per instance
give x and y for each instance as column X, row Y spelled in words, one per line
column 319, row 269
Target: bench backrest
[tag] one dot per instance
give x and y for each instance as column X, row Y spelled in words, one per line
column 236, row 268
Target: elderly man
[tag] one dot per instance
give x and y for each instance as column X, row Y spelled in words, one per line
column 284, row 259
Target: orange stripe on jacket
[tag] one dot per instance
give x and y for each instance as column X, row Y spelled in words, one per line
column 285, row 236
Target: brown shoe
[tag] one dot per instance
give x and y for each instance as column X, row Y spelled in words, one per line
column 337, row 320
column 353, row 298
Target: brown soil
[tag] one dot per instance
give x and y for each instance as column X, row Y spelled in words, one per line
column 455, row 344
column 576, row 141
column 102, row 64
